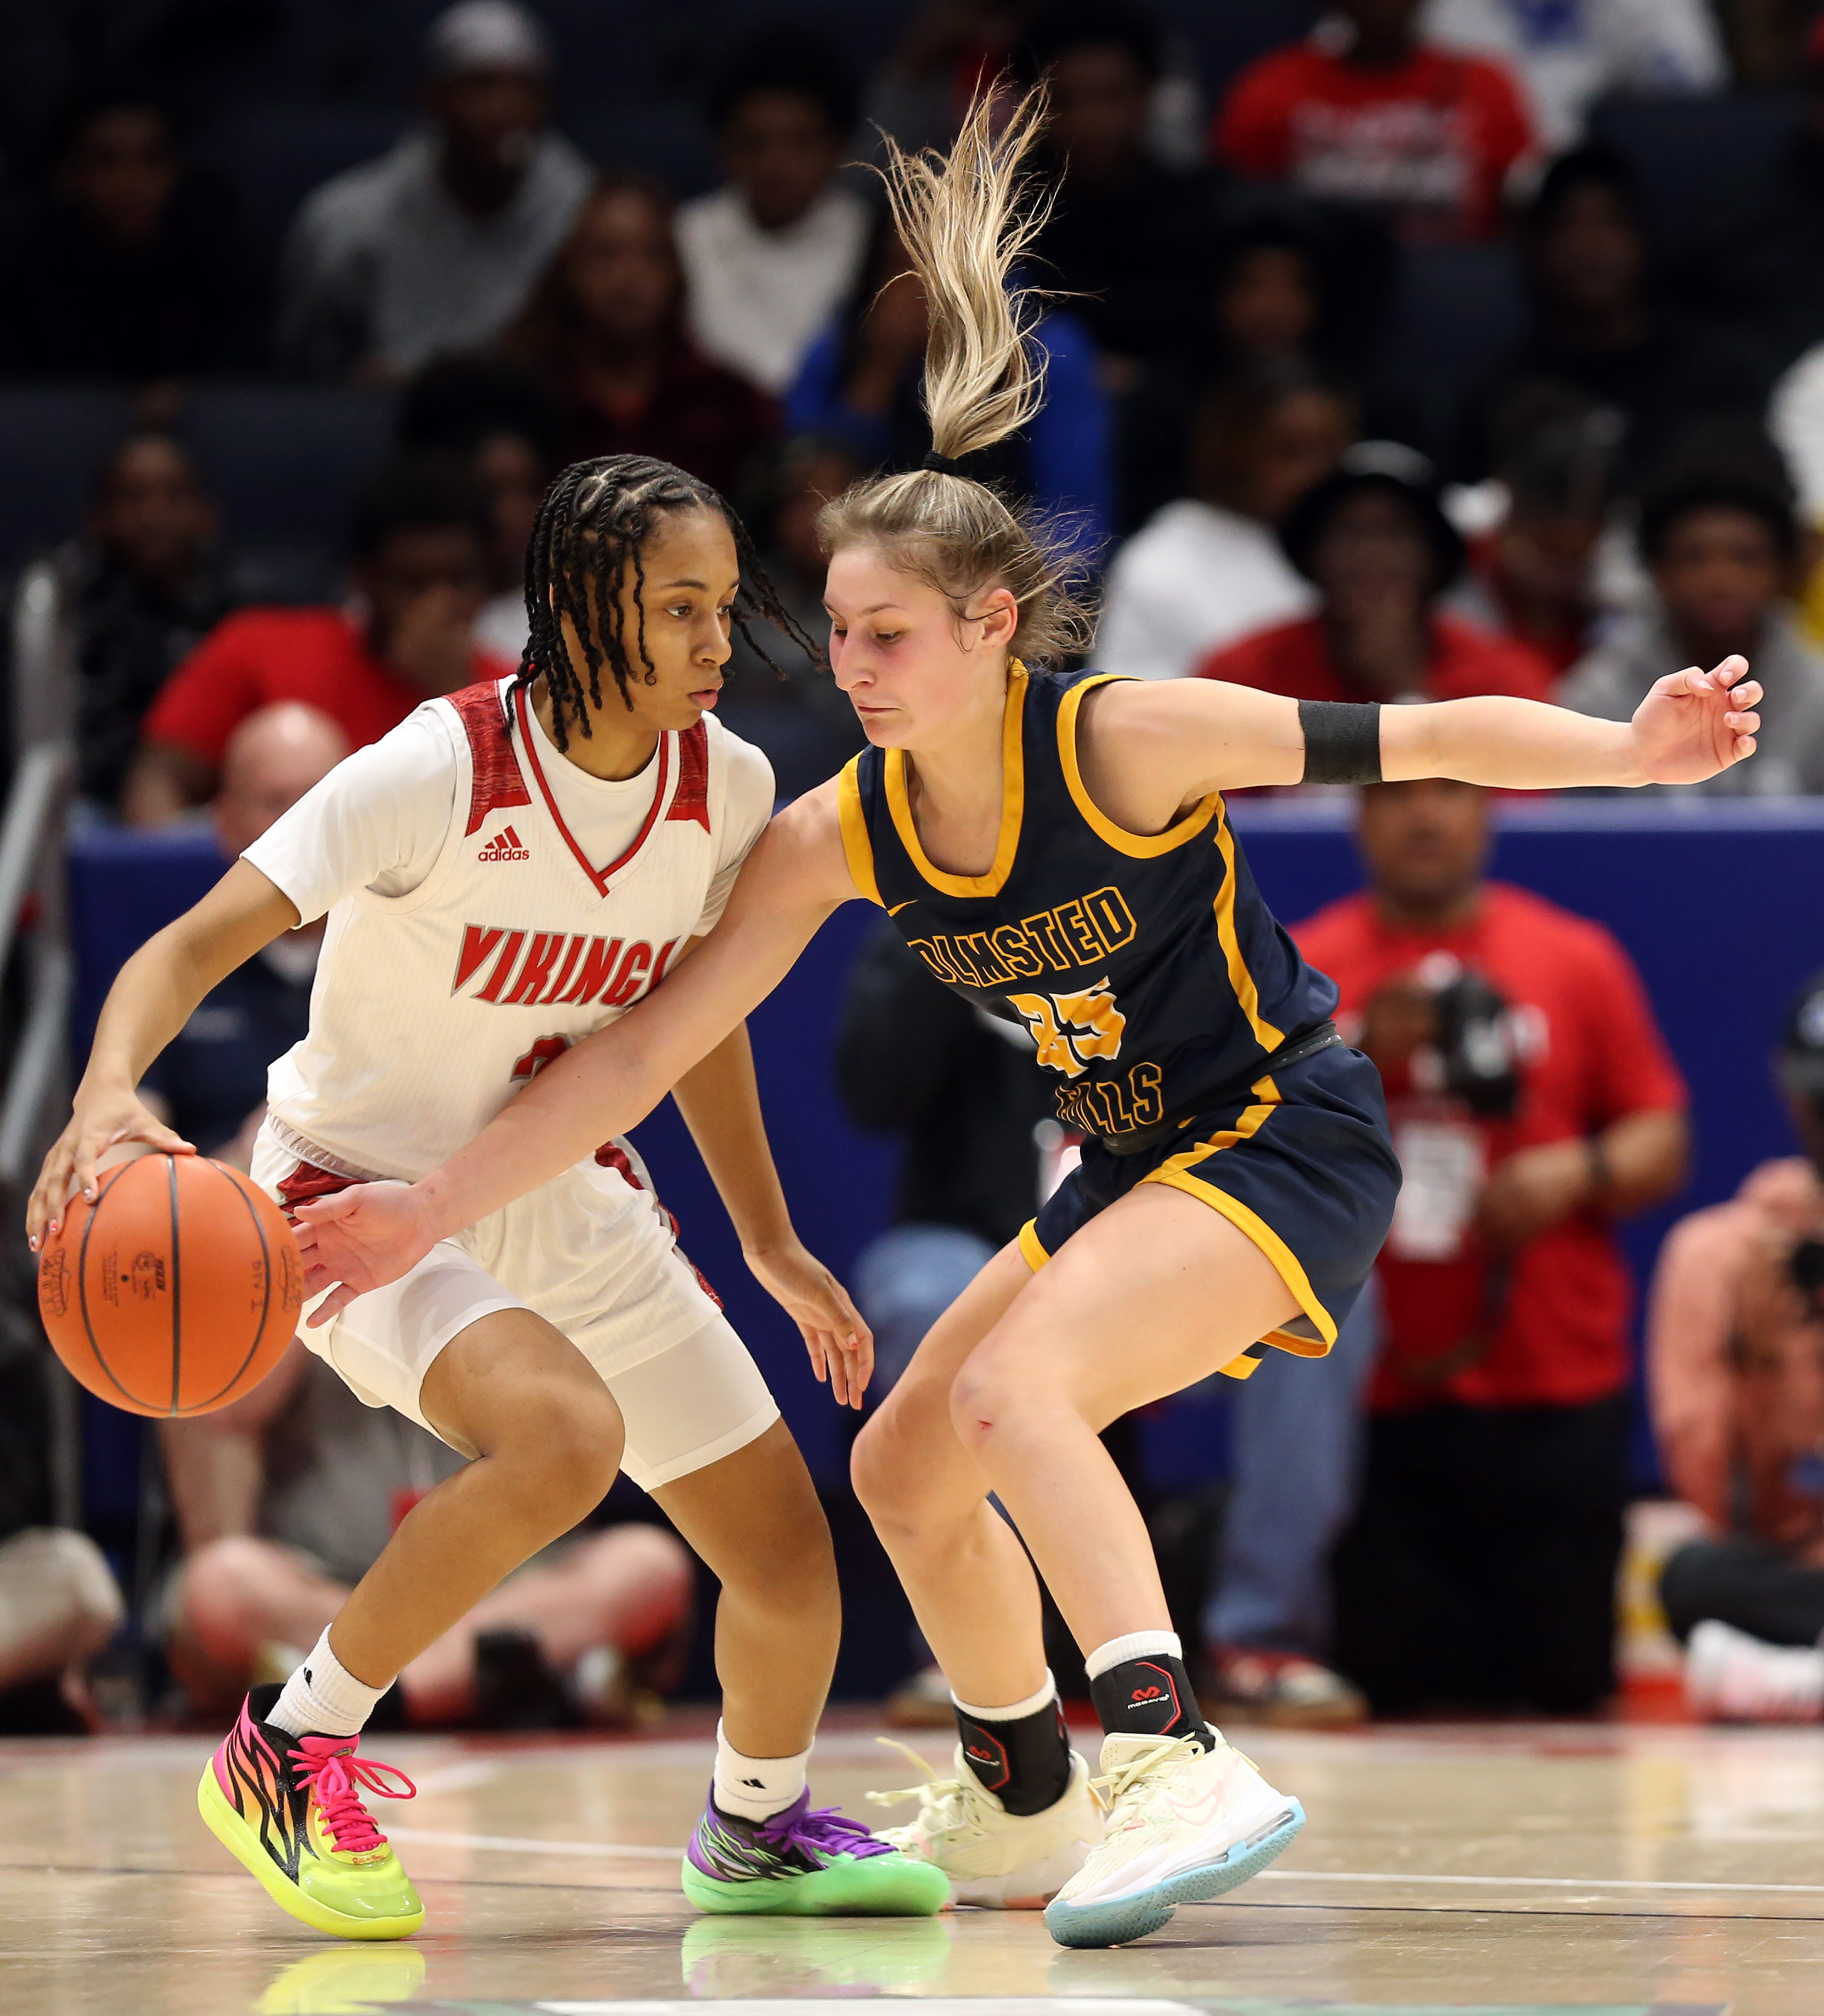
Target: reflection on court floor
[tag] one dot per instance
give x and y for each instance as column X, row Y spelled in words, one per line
column 1506, row 1871
column 1005, row 2005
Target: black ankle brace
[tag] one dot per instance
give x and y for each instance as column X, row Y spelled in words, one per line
column 1149, row 1696
column 1025, row 1763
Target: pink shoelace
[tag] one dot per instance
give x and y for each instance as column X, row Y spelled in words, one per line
column 337, row 1778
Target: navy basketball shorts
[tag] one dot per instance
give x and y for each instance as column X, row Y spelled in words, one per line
column 1303, row 1164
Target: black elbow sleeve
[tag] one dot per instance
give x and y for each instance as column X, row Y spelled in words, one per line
column 1343, row 741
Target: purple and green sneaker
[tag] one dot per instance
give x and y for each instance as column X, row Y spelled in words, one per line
column 802, row 1864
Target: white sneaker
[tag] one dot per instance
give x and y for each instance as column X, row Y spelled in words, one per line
column 1184, row 1823
column 1011, row 1862
column 1731, row 1677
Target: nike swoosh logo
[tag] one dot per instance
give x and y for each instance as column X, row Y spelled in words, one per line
column 1199, row 1812
column 898, row 907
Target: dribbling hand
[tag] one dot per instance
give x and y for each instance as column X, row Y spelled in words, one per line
column 103, row 1119
column 1693, row 724
column 358, row 1240
column 840, row 1344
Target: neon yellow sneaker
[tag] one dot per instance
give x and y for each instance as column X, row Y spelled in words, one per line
column 1185, row 1824
column 289, row 1809
column 1006, row 1861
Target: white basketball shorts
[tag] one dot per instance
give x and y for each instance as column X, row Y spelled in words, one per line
column 597, row 1257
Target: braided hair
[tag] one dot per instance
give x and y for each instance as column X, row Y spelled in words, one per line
column 591, row 531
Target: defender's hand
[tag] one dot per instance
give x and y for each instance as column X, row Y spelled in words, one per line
column 360, row 1239
column 840, row 1344
column 103, row 1119
column 1693, row 724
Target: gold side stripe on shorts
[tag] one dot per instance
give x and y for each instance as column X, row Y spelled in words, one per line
column 1175, row 1173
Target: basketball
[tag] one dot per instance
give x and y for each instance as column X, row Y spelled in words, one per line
column 176, row 1291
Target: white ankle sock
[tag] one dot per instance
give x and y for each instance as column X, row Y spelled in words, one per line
column 324, row 1698
column 1012, row 1713
column 1136, row 1645
column 755, row 1789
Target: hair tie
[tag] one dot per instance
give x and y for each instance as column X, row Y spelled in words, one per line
column 942, row 463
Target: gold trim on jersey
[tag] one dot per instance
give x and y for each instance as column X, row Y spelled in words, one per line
column 1247, row 994
column 857, row 848
column 1013, row 801
column 1144, row 847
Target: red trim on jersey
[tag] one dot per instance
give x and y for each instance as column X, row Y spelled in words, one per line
column 601, row 877
column 691, row 799
column 498, row 783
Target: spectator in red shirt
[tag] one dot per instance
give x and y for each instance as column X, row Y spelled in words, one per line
column 1365, row 113
column 604, row 329
column 1381, row 551
column 418, row 540
column 1532, row 1104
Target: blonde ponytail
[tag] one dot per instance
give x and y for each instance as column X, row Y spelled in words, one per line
column 965, row 220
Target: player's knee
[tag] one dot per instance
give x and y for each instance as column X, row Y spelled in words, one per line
column 982, row 1397
column 874, row 1466
column 562, row 1446
column 976, row 1398
column 885, row 1466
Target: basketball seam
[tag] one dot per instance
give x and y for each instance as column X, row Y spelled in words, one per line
column 101, row 1190
column 266, row 1307
column 177, row 1320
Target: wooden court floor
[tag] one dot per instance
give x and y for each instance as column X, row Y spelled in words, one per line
column 1516, row 1869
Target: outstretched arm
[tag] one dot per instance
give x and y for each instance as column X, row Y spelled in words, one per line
column 1150, row 749
column 605, row 1085
column 1691, row 726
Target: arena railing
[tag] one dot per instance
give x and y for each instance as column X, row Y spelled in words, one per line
column 35, row 926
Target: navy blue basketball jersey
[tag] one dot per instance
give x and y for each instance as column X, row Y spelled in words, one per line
column 1146, row 966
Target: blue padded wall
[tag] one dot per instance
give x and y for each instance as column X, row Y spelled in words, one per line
column 1720, row 905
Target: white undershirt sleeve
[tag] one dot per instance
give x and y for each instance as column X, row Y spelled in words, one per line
column 378, row 821
column 747, row 807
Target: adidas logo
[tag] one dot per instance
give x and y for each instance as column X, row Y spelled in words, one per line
column 506, row 845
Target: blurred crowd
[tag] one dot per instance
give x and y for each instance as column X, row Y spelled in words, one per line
column 1431, row 348
column 1406, row 359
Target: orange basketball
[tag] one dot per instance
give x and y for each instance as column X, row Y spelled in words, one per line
column 176, row 1291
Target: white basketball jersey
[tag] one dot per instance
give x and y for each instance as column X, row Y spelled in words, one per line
column 432, row 1009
